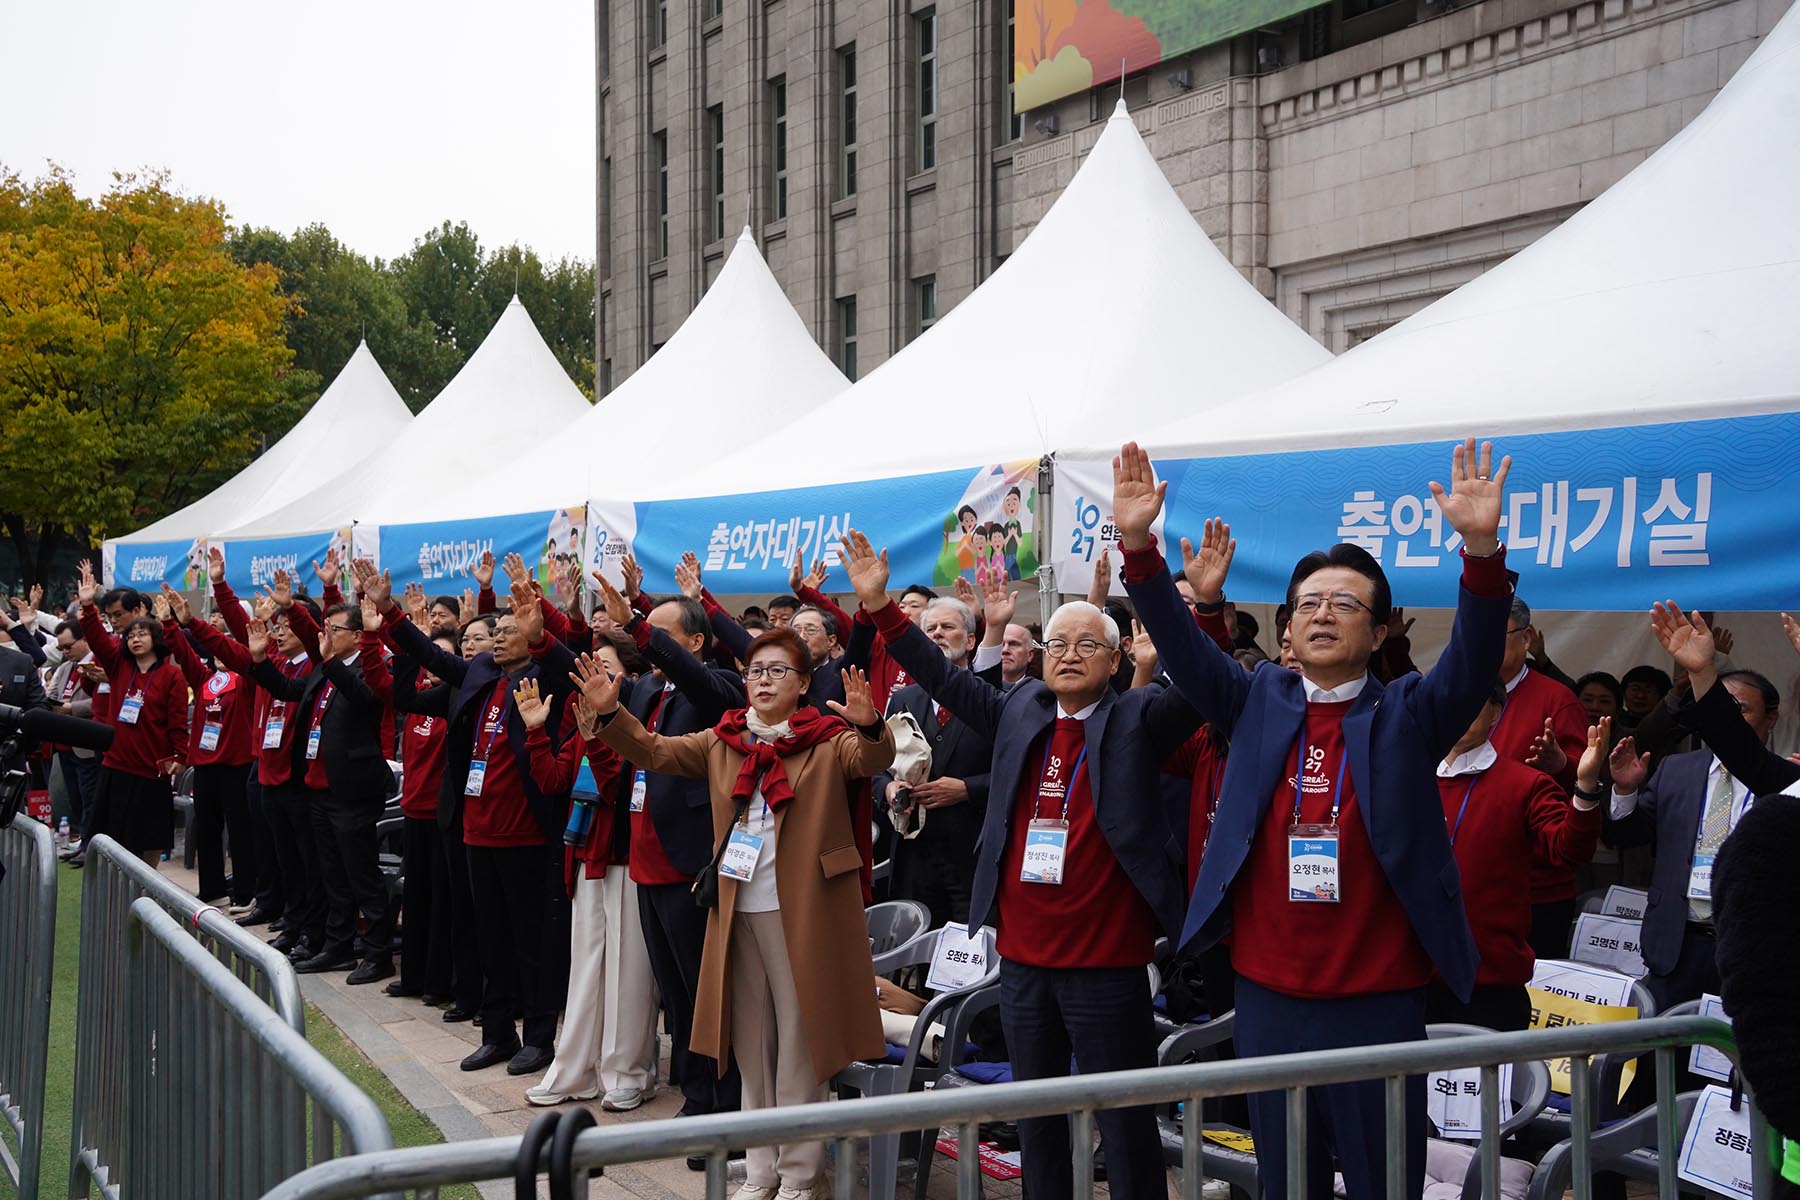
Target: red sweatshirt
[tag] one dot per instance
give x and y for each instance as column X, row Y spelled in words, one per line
column 422, row 745
column 886, row 676
column 274, row 763
column 1535, row 698
column 501, row 816
column 555, row 771
column 224, row 707
column 149, row 708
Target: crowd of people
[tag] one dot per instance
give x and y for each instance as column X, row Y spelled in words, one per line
column 662, row 809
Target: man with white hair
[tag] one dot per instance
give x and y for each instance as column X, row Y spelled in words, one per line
column 1076, row 863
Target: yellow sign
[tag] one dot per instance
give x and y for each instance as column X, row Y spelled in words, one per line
column 1552, row 1011
column 1231, row 1139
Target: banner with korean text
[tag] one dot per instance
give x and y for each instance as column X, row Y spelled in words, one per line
column 442, row 555
column 1595, row 520
column 147, row 565
column 250, row 564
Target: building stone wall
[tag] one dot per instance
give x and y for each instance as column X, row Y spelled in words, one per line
column 1352, row 188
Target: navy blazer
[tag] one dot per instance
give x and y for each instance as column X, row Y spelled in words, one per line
column 1128, row 738
column 1395, row 735
column 1667, row 818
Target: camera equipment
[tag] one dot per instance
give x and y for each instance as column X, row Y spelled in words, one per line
column 20, row 728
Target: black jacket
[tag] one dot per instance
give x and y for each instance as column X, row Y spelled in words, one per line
column 958, row 751
column 356, row 763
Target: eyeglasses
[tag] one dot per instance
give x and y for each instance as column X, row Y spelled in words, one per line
column 1342, row 603
column 774, row 672
column 1516, row 632
column 1060, row 647
column 338, row 628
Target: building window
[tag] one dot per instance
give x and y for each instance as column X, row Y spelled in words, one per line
column 846, row 336
column 606, row 216
column 847, row 121
column 603, row 35
column 605, row 376
column 659, row 160
column 711, row 8
column 1013, row 122
column 659, row 23
column 715, row 173
column 925, row 40
column 778, row 148
column 925, row 310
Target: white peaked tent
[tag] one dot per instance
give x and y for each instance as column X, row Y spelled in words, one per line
column 1115, row 314
column 360, row 399
column 741, row 362
column 511, row 395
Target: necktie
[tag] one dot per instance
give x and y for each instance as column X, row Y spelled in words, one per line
column 943, row 715
column 1715, row 825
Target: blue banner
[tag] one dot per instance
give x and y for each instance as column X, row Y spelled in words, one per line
column 976, row 523
column 146, row 565
column 250, row 565
column 1595, row 520
column 442, row 555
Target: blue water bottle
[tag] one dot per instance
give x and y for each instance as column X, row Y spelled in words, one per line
column 581, row 820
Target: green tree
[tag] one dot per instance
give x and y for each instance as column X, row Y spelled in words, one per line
column 140, row 363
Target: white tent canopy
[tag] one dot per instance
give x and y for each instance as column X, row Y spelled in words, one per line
column 1115, row 314
column 742, row 362
column 510, row 396
column 359, row 399
column 1671, row 297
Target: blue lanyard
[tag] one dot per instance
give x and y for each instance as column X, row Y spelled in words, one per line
column 1337, row 794
column 1068, row 788
column 1457, row 828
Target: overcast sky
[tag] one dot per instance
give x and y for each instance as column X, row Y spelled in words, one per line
column 379, row 118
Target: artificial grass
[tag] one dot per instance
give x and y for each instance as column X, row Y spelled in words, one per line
column 410, row 1127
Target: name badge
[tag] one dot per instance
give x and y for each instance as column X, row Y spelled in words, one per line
column 639, row 787
column 129, row 710
column 477, row 776
column 272, row 733
column 1700, row 877
column 1046, row 844
column 741, row 854
column 1313, row 864
column 209, row 736
column 312, row 744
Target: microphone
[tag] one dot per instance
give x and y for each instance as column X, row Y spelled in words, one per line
column 42, row 725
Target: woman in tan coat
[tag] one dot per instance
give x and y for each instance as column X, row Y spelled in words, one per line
column 785, row 979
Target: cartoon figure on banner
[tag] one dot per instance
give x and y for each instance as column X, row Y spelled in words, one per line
column 342, row 545
column 561, row 555
column 987, row 537
column 194, row 575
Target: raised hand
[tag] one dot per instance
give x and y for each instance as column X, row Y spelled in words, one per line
column 1684, row 635
column 617, row 606
column 1399, row 624
column 215, row 565
column 528, row 610
column 1791, row 627
column 258, row 642
column 379, row 587
column 178, row 605
column 796, row 571
column 371, row 613
column 418, row 607
column 867, row 570
column 1723, row 641
column 1587, row 773
column 1100, row 587
column 1137, row 496
column 633, row 575
column 1473, row 503
column 281, row 589
column 815, row 578
column 532, row 709
column 965, row 591
column 1206, row 568
column 514, row 566
column 330, row 572
column 263, row 608
column 998, row 603
column 687, row 576
column 87, row 588
column 27, row 610
column 159, row 604
column 36, row 592
column 483, row 570
column 466, row 608
column 858, row 708
column 1143, row 650
column 599, row 688
column 1629, row 768
column 1547, row 754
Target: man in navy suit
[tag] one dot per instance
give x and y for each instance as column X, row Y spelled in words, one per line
column 1685, row 809
column 1328, row 862
column 1075, row 856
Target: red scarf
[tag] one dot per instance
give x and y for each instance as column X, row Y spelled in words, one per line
column 762, row 760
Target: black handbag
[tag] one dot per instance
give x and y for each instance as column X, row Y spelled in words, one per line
column 706, row 888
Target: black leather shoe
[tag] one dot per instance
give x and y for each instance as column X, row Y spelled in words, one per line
column 287, row 941
column 454, row 1015
column 396, row 988
column 277, row 923
column 324, row 962
column 487, row 1056
column 431, row 1001
column 371, row 970
column 530, row 1060
column 302, row 951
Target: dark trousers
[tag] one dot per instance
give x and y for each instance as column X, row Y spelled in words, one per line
column 425, row 908
column 936, row 874
column 1102, row 1016
column 1695, row 972
column 675, row 934
column 1345, row 1119
column 509, row 925
column 556, row 927
column 221, row 804
column 467, row 985
column 1550, row 926
column 1494, row 1006
column 271, row 897
column 297, row 851
column 80, row 777
column 350, row 873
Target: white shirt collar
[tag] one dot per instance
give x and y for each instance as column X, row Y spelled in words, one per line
column 1469, row 762
column 352, row 657
column 1343, row 691
column 1516, row 680
column 1079, row 715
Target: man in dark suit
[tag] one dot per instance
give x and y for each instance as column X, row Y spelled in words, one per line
column 1075, row 856
column 20, row 686
column 937, row 867
column 339, row 745
column 1685, row 809
column 1328, row 862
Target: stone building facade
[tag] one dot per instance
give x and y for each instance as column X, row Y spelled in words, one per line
column 1356, row 162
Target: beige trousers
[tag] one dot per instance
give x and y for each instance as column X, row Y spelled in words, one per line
column 770, row 1043
column 608, row 1037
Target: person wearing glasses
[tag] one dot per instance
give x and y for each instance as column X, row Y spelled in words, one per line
column 786, row 981
column 1076, row 864
column 1329, row 863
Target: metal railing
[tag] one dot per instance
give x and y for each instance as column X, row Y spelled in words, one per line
column 113, row 880
column 226, row 1099
column 844, row 1123
column 27, row 952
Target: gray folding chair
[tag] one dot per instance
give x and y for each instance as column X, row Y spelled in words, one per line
column 894, row 923
column 1627, row 1148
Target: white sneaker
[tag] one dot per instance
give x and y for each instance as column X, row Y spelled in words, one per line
column 820, row 1189
column 544, row 1098
column 751, row 1191
column 624, row 1099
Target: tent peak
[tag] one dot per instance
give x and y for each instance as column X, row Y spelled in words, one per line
column 1120, row 111
column 746, row 236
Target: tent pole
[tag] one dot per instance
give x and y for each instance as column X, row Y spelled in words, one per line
column 1042, row 540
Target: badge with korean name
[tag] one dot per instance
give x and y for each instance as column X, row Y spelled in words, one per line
column 312, row 744
column 131, row 708
column 741, row 852
column 272, row 732
column 639, row 787
column 1046, row 844
column 1700, row 877
column 209, row 736
column 477, row 776
column 1313, row 864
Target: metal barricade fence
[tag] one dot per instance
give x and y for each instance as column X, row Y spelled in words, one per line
column 226, row 1099
column 114, row 879
column 27, row 950
column 424, row 1169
